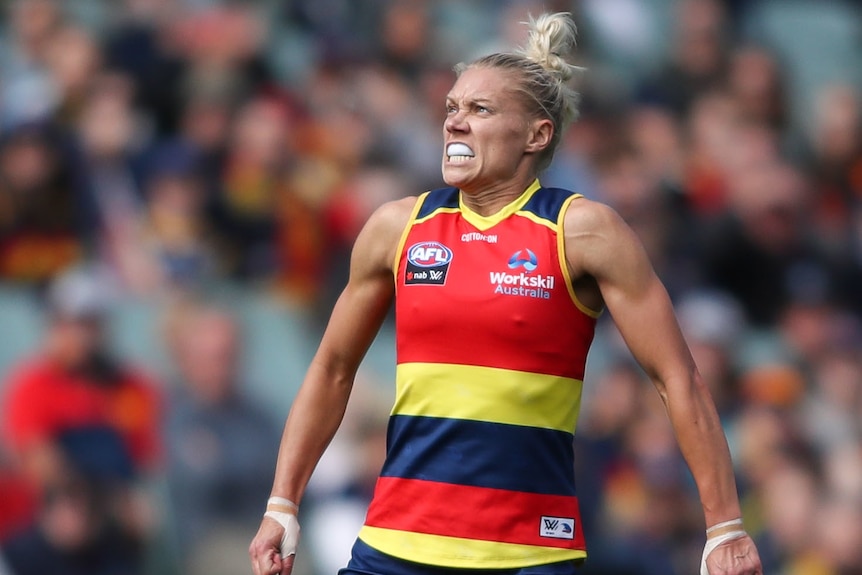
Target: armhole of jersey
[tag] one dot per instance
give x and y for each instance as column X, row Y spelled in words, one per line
column 397, row 263
column 564, row 264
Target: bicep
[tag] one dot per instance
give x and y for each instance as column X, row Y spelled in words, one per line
column 362, row 306
column 635, row 297
column 646, row 321
column 355, row 321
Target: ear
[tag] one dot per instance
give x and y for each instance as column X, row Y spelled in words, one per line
column 540, row 134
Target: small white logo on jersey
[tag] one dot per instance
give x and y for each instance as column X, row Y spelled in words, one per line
column 479, row 237
column 557, row 527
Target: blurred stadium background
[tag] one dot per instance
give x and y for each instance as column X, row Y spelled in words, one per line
column 190, row 174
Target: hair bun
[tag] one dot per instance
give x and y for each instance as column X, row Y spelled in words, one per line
column 551, row 39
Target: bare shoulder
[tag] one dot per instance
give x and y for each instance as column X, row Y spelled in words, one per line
column 391, row 218
column 378, row 241
column 587, row 217
column 597, row 239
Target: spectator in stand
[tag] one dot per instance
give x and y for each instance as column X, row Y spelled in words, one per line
column 221, row 44
column 835, row 162
column 205, row 126
column 269, row 209
column 73, row 60
column 405, row 37
column 756, row 83
column 256, row 175
column 219, row 443
column 79, row 530
column 140, row 45
column 27, row 93
column 697, row 61
column 74, row 383
column 39, row 219
column 161, row 242
column 175, row 242
column 759, row 253
column 107, row 151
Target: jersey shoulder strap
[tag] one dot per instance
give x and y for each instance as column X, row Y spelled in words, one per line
column 435, row 201
column 547, row 203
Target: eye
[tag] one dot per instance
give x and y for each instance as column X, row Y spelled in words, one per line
column 482, row 109
column 451, row 109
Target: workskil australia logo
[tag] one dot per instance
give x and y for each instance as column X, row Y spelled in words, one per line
column 427, row 263
column 523, row 283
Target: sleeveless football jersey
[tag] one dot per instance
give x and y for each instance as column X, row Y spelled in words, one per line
column 491, row 347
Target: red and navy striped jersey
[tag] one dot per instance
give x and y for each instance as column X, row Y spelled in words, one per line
column 491, row 347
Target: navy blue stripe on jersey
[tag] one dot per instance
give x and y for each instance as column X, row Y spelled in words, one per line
column 436, row 199
column 546, row 203
column 481, row 454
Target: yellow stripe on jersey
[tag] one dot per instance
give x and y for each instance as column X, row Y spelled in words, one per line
column 405, row 233
column 462, row 553
column 487, row 394
column 443, row 210
column 564, row 263
column 536, row 219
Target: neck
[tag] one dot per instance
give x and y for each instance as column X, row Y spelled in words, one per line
column 489, row 200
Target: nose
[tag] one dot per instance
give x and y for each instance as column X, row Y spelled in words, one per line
column 456, row 122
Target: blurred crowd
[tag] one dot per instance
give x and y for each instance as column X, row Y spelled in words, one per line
column 153, row 149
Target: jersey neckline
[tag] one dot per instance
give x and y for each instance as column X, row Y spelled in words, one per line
column 484, row 223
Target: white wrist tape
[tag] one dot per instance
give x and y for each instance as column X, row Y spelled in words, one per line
column 713, row 543
column 290, row 537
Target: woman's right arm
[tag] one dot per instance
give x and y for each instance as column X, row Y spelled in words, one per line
column 319, row 406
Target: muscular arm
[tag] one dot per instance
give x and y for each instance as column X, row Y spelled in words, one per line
column 319, row 406
column 356, row 318
column 600, row 245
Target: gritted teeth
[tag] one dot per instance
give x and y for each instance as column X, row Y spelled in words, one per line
column 459, row 149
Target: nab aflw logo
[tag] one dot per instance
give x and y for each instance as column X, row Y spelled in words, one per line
column 557, row 527
column 427, row 263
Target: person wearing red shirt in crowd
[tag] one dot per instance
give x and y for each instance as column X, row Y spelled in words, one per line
column 73, row 385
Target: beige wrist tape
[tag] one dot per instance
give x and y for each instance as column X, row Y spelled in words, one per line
column 281, row 505
column 716, row 529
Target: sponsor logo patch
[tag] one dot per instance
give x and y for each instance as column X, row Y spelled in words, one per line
column 524, row 259
column 479, row 237
column 427, row 263
column 557, row 527
column 523, row 283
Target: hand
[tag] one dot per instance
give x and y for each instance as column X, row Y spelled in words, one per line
column 735, row 557
column 273, row 549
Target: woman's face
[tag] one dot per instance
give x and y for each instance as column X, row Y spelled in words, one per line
column 489, row 137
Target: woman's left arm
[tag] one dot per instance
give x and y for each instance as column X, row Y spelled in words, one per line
column 600, row 245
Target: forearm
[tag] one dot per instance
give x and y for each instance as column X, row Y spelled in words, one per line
column 704, row 447
column 314, row 418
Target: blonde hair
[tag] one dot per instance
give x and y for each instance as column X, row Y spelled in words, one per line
column 543, row 74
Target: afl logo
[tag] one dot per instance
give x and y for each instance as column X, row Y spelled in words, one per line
column 429, row 255
column 427, row 264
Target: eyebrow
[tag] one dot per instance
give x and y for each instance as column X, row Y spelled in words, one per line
column 472, row 101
